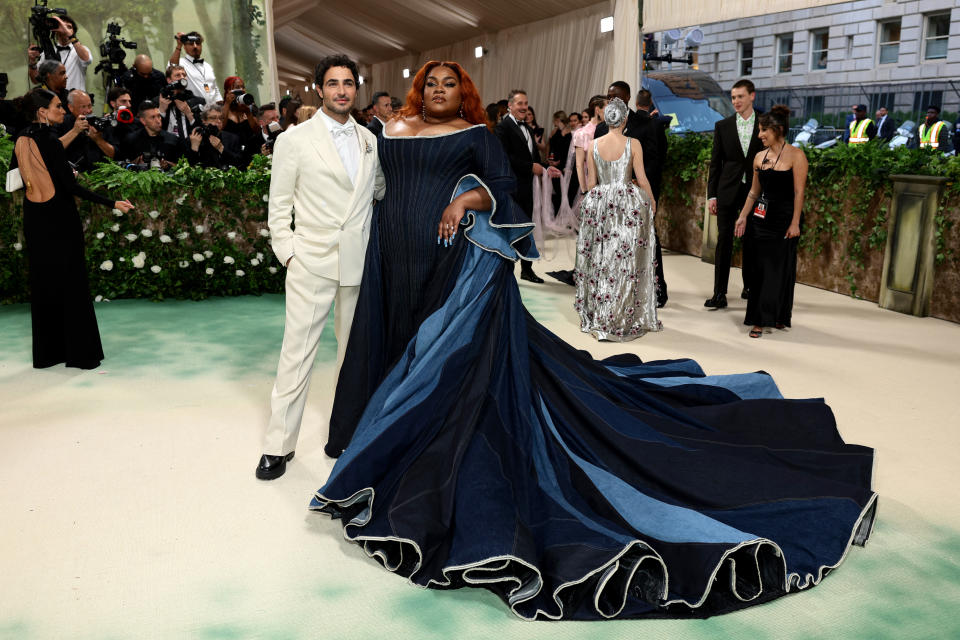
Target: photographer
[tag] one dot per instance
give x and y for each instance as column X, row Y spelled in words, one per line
column 84, row 143
column 143, row 81
column 123, row 124
column 52, row 75
column 239, row 110
column 152, row 145
column 201, row 79
column 210, row 146
column 74, row 56
column 179, row 119
column 268, row 115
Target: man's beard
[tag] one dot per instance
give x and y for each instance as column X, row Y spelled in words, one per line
column 333, row 107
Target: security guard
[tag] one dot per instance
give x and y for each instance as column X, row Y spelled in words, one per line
column 934, row 133
column 862, row 128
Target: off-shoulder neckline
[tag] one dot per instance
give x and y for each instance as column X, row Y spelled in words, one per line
column 433, row 135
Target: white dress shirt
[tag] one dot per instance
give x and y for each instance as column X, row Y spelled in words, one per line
column 526, row 134
column 346, row 140
column 76, row 68
column 200, row 79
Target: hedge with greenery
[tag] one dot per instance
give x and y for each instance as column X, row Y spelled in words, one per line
column 845, row 214
column 195, row 233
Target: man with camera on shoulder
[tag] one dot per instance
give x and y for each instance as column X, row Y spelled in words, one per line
column 177, row 103
column 269, row 119
column 152, row 145
column 201, row 79
column 74, row 56
column 81, row 133
column 211, row 146
column 142, row 80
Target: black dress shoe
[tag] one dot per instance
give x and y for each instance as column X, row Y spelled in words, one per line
column 530, row 276
column 272, row 467
column 661, row 302
column 718, row 301
column 745, row 294
column 332, row 451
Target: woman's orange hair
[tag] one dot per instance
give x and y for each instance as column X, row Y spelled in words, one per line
column 473, row 111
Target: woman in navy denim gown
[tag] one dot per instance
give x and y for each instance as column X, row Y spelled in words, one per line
column 476, row 448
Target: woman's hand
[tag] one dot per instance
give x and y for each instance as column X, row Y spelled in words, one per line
column 740, row 226
column 793, row 231
column 450, row 223
column 123, row 205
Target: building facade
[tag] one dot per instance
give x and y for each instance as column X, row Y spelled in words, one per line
column 901, row 54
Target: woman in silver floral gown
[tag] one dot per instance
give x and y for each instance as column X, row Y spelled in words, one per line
column 615, row 273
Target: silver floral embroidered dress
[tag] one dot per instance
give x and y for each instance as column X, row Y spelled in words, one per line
column 615, row 273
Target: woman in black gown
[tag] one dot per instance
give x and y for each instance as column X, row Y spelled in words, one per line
column 64, row 323
column 476, row 448
column 775, row 204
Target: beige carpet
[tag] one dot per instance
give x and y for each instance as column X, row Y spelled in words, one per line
column 130, row 510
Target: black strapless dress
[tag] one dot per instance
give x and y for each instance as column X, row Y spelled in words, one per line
column 483, row 451
column 775, row 257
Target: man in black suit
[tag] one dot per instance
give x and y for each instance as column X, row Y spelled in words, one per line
column 162, row 148
column 518, row 142
column 885, row 125
column 735, row 143
column 382, row 112
column 211, row 146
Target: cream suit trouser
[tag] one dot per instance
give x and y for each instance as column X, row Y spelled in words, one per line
column 308, row 301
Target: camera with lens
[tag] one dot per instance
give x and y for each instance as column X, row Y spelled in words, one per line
column 273, row 132
column 42, row 23
column 188, row 39
column 241, row 98
column 209, row 130
column 176, row 90
column 124, row 115
column 99, row 123
column 112, row 55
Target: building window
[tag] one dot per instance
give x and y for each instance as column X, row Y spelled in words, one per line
column 818, row 49
column 812, row 106
column 889, row 41
column 746, row 57
column 785, row 53
column 877, row 100
column 938, row 32
column 923, row 99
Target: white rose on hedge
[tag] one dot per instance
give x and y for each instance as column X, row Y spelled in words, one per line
column 240, row 273
column 107, row 265
column 98, row 299
column 165, row 239
column 146, row 233
column 117, row 212
column 208, row 253
column 115, row 227
column 272, row 269
column 131, row 237
column 209, row 271
column 183, row 235
column 228, row 260
column 265, row 233
column 254, row 262
column 139, row 260
column 231, row 235
column 100, row 235
column 17, row 246
column 154, row 214
column 184, row 264
column 198, row 228
column 122, row 259
column 266, row 197
column 155, row 269
column 259, row 256
column 198, row 257
column 181, row 199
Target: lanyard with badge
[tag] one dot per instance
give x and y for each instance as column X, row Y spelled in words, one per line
column 760, row 208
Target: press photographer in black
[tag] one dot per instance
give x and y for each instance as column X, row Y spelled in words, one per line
column 80, row 133
column 142, row 80
column 152, row 146
column 122, row 121
column 177, row 103
column 74, row 56
column 269, row 115
column 239, row 111
column 52, row 75
column 210, row 146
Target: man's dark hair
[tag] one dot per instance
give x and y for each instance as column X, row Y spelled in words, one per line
column 267, row 107
column 145, row 106
column 377, row 96
column 644, row 99
column 514, row 93
column 620, row 84
column 336, row 60
column 745, row 84
column 503, row 103
column 195, row 34
column 73, row 23
column 171, row 69
column 115, row 93
column 934, row 107
column 46, row 68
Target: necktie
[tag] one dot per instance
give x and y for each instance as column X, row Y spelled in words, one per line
column 345, row 131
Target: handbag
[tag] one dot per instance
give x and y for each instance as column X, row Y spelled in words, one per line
column 14, row 180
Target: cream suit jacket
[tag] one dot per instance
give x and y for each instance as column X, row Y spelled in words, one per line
column 310, row 187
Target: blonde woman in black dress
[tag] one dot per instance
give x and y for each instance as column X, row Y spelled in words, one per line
column 775, row 206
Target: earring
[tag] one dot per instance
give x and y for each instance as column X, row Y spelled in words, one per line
column 461, row 110
column 423, row 108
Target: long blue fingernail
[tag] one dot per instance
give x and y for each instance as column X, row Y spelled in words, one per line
column 445, row 243
column 438, row 240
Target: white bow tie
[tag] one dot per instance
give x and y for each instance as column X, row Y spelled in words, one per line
column 346, row 130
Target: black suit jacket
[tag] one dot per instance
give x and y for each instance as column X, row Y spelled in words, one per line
column 630, row 130
column 375, row 126
column 207, row 156
column 888, row 128
column 728, row 165
column 521, row 158
column 164, row 144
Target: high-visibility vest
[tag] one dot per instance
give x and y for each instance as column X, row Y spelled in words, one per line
column 930, row 136
column 858, row 131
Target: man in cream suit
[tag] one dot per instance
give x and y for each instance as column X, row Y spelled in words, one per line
column 325, row 177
